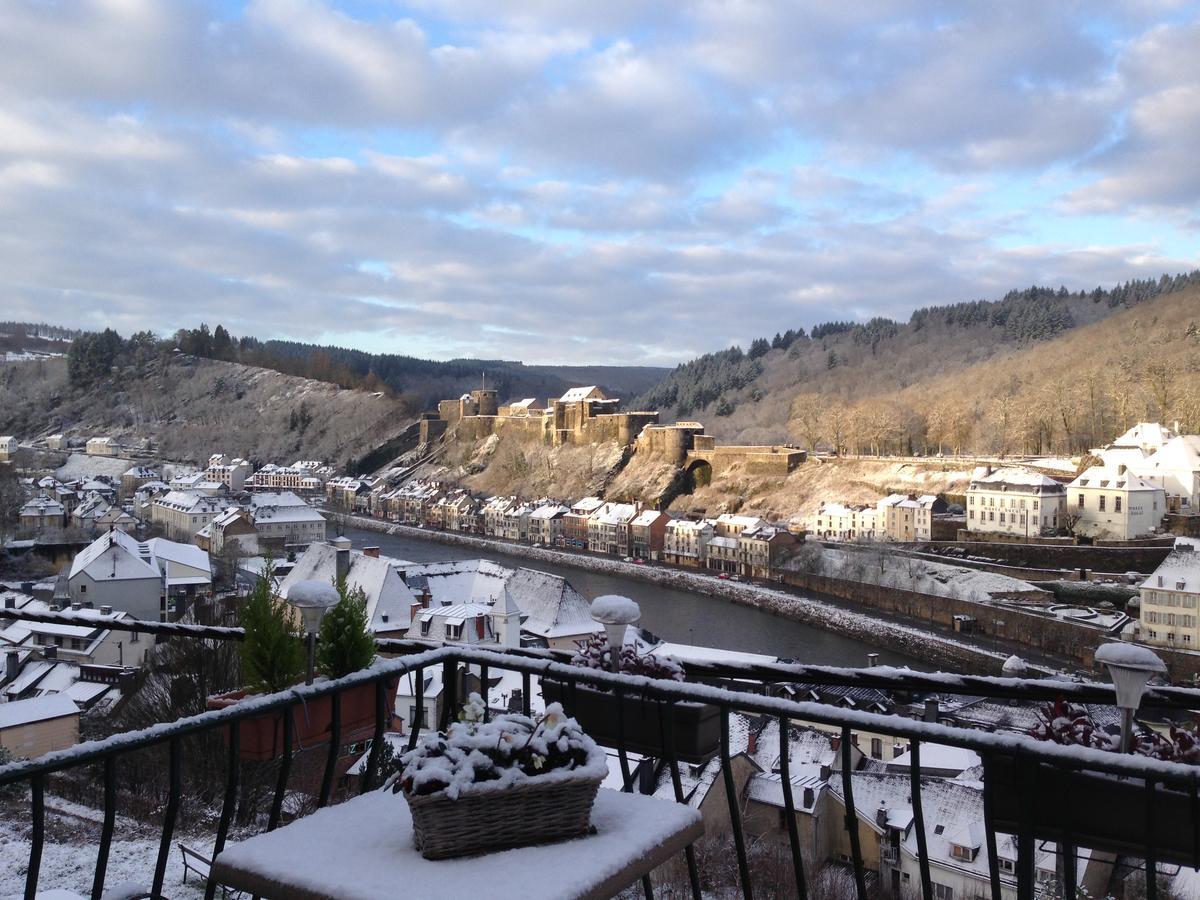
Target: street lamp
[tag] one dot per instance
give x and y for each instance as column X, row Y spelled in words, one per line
column 1131, row 667
column 313, row 599
column 616, row 614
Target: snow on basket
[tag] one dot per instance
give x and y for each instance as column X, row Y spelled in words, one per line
column 509, row 782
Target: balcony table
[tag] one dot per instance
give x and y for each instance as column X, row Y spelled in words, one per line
column 362, row 849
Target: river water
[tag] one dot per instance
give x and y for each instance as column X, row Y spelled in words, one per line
column 672, row 614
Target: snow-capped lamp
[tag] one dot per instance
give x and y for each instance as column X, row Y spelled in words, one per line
column 1014, row 667
column 1131, row 667
column 616, row 614
column 313, row 599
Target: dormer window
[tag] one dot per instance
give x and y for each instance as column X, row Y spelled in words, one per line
column 425, row 623
column 453, row 632
column 958, row 851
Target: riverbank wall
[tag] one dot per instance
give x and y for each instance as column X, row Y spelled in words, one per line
column 938, row 650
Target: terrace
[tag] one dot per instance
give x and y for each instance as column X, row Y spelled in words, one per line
column 1034, row 794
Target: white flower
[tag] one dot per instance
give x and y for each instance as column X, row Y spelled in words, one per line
column 554, row 715
column 473, row 710
column 538, row 761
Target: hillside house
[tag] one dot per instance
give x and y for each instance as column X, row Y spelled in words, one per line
column 907, row 517
column 1170, row 598
column 56, row 442
column 1175, row 467
column 133, row 478
column 845, row 522
column 101, row 446
column 42, row 514
column 115, row 517
column 1014, row 502
column 1135, row 446
column 32, row 728
column 8, row 447
column 284, row 519
column 232, row 531
column 183, row 513
column 138, row 577
column 232, row 474
column 1115, row 504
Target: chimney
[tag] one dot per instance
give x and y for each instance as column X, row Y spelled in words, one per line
column 106, row 610
column 76, row 606
column 372, row 552
column 826, row 771
column 931, row 709
column 425, row 598
column 50, row 652
column 343, row 563
column 10, row 602
column 11, row 666
column 752, row 741
column 881, row 815
column 810, row 798
column 872, row 660
column 413, row 609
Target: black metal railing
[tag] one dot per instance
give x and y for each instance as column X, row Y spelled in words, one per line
column 1023, row 783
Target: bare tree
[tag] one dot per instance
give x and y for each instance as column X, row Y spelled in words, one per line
column 808, row 419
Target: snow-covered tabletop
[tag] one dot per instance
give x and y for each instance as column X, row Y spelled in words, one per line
column 363, row 849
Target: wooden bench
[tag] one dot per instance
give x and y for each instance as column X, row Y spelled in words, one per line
column 200, row 865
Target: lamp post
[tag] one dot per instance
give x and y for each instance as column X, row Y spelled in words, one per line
column 313, row 599
column 616, row 614
column 1131, row 667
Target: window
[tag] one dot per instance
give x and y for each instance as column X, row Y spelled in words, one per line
column 943, row 891
column 1001, row 518
column 1103, row 500
column 1035, row 504
column 876, row 748
column 1007, row 865
column 971, row 515
column 991, row 515
column 1081, row 501
column 425, row 627
column 453, row 632
column 83, row 589
column 958, row 851
column 1116, row 504
column 416, row 718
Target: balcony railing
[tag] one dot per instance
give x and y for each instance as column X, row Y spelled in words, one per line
column 1166, row 822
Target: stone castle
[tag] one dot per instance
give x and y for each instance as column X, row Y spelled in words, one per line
column 584, row 415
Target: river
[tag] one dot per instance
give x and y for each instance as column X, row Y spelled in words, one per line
column 672, row 614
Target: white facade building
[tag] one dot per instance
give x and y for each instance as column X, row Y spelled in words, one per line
column 1175, row 467
column 1170, row 599
column 1014, row 502
column 845, row 522
column 1115, row 504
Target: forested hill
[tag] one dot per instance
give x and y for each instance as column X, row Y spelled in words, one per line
column 740, row 393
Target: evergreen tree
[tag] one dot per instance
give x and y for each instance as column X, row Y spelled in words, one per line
column 345, row 644
column 272, row 652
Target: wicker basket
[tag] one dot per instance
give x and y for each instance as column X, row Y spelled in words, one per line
column 536, row 811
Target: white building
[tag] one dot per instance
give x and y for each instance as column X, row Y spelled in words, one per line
column 1170, row 597
column 1175, row 467
column 907, row 517
column 137, row 577
column 546, row 524
column 1137, row 444
column 1014, row 502
column 845, row 522
column 284, row 518
column 8, row 447
column 101, row 446
column 183, row 513
column 686, row 542
column 1115, row 504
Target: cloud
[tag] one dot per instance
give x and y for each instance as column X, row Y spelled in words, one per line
column 581, row 182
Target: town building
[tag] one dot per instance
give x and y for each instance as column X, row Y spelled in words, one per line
column 685, row 542
column 32, row 728
column 1175, row 467
column 183, row 513
column 115, row 517
column 233, row 531
column 231, row 473
column 1135, row 446
column 285, row 520
column 41, row 514
column 458, row 623
column 1014, row 502
column 1170, row 598
column 648, row 534
column 762, row 549
column 101, row 446
column 907, row 517
column 8, row 447
column 133, row 478
column 608, row 528
column 143, row 578
column 1114, row 504
column 546, row 524
column 845, row 522
column 56, row 442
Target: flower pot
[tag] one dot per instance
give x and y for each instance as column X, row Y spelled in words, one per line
column 261, row 737
column 696, row 727
column 1092, row 809
column 486, row 817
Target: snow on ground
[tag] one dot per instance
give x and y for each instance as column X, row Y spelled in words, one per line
column 69, row 854
column 877, row 566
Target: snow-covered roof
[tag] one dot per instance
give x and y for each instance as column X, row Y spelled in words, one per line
column 576, row 394
column 387, row 594
column 549, row 511
column 38, row 709
column 648, row 517
column 1180, row 453
column 1147, row 436
column 278, row 499
column 1015, row 479
column 686, row 653
column 114, row 555
column 938, row 757
column 1106, row 478
column 1180, row 571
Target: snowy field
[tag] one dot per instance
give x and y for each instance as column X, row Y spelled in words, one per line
column 69, row 854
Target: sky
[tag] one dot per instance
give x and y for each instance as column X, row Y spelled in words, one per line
column 616, row 182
